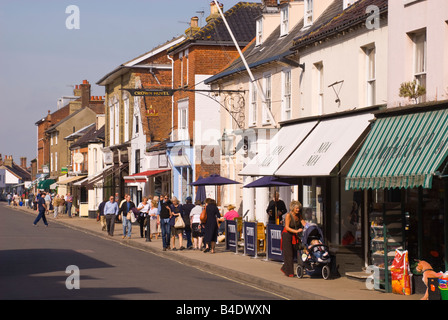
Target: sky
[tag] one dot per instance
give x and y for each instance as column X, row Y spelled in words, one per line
column 44, row 53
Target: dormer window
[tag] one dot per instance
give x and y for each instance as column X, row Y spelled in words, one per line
column 308, row 17
column 284, row 23
column 259, row 39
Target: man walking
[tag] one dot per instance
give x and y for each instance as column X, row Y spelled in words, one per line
column 101, row 215
column 125, row 207
column 42, row 208
column 165, row 214
column 110, row 212
column 68, row 204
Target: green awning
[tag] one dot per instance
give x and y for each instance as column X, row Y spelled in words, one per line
column 45, row 184
column 402, row 151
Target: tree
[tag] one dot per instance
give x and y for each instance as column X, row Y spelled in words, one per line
column 412, row 90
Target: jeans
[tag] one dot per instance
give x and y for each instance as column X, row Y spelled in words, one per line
column 68, row 208
column 127, row 224
column 166, row 232
column 41, row 215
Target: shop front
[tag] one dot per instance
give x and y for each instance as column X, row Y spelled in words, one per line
column 402, row 171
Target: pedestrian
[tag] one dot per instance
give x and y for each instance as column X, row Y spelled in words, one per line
column 165, row 214
column 125, row 208
column 290, row 241
column 276, row 209
column 176, row 211
column 47, row 202
column 42, row 208
column 230, row 215
column 56, row 206
column 61, row 204
column 101, row 215
column 30, row 199
column 9, row 198
column 188, row 206
column 143, row 208
column 110, row 212
column 211, row 225
column 196, row 226
column 154, row 219
column 68, row 204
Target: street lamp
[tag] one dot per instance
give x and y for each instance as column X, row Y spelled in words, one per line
column 226, row 144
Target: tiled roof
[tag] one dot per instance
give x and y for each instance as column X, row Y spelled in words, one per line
column 90, row 136
column 18, row 171
column 340, row 20
column 241, row 19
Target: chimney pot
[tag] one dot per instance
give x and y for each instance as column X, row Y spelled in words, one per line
column 85, row 82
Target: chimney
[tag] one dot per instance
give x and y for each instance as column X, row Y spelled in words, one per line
column 270, row 3
column 85, row 93
column 8, row 161
column 23, row 162
column 194, row 27
column 77, row 91
column 1, row 160
column 214, row 12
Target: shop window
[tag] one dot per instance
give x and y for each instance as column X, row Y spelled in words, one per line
column 312, row 202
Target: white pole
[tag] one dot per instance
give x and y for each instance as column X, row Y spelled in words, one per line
column 245, row 64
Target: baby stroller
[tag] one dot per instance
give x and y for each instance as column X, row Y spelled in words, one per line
column 314, row 258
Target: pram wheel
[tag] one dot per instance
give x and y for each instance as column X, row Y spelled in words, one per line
column 326, row 272
column 299, row 271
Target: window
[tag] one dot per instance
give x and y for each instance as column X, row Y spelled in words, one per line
column 111, row 125
column 183, row 120
column 308, row 16
column 286, row 94
column 56, row 134
column 117, row 122
column 136, row 124
column 181, row 59
column 126, row 118
column 370, row 75
column 268, row 96
column 320, row 87
column 51, row 162
column 420, row 54
column 348, row 3
column 137, row 161
column 55, row 161
column 284, row 23
column 186, row 66
column 259, row 38
column 253, row 104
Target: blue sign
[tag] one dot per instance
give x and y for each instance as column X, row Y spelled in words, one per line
column 250, row 238
column 231, row 235
column 274, row 239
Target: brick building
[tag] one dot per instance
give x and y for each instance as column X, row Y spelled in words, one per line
column 194, row 147
column 135, row 122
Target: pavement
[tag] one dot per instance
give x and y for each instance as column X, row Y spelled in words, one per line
column 257, row 272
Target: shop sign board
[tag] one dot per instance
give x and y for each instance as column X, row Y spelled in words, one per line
column 274, row 238
column 250, row 238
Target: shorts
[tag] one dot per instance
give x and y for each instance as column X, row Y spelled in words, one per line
column 197, row 230
column 176, row 231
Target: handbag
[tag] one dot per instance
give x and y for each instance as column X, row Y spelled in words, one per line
column 203, row 216
column 179, row 224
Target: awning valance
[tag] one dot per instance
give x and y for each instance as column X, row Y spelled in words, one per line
column 401, row 152
column 70, row 179
column 267, row 161
column 325, row 146
column 142, row 176
column 45, row 184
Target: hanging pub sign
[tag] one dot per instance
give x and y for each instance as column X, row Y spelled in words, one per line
column 250, row 238
column 274, row 238
column 150, row 93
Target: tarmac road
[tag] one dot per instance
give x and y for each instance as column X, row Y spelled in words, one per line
column 34, row 262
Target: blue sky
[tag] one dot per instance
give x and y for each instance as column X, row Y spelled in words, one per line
column 41, row 60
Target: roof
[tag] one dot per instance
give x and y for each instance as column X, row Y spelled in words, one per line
column 241, row 19
column 137, row 63
column 338, row 19
column 18, row 171
column 96, row 108
column 92, row 135
column 280, row 49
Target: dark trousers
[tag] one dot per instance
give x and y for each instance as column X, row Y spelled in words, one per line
column 288, row 253
column 41, row 215
column 110, row 224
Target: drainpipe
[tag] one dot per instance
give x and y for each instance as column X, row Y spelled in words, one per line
column 172, row 97
column 263, row 96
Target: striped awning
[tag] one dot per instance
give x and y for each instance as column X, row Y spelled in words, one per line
column 402, row 151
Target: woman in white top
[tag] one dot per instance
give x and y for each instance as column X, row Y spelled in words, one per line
column 196, row 226
column 143, row 207
column 154, row 219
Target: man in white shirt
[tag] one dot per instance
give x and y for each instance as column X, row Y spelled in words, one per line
column 110, row 212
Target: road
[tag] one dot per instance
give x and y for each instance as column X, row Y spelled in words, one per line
column 33, row 263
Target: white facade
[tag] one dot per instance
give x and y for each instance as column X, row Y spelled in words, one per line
column 418, row 48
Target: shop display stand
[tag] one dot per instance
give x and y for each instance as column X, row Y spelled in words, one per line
column 386, row 235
